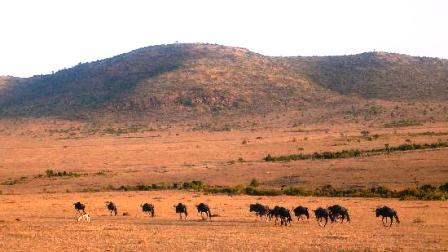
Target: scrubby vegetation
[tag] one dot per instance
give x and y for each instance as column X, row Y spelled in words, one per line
column 356, row 152
column 51, row 173
column 11, row 181
column 213, row 127
column 402, row 123
column 424, row 192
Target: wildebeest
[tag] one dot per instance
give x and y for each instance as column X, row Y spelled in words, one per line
column 300, row 211
column 112, row 207
column 321, row 214
column 260, row 210
column 204, row 208
column 337, row 211
column 281, row 213
column 387, row 212
column 80, row 207
column 148, row 208
column 273, row 214
column 181, row 209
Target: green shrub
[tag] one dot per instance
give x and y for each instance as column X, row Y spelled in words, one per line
column 50, row 173
column 402, row 123
column 355, row 152
column 254, row 183
column 425, row 192
column 444, row 187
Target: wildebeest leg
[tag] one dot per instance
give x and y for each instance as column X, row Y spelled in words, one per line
column 320, row 219
column 391, row 221
column 384, row 223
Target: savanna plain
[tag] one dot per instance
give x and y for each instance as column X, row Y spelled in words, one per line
column 44, row 170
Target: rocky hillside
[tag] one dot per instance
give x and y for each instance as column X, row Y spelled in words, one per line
column 192, row 79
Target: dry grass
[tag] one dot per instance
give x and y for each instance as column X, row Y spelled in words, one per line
column 37, row 214
column 218, row 158
column 51, row 224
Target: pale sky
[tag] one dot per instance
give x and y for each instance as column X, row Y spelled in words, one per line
column 38, row 37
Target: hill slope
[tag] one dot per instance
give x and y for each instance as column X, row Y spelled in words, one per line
column 211, row 79
column 379, row 75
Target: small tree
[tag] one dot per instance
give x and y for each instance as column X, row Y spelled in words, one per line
column 254, row 183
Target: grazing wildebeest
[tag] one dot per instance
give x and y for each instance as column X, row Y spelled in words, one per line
column 387, row 212
column 337, row 211
column 273, row 213
column 321, row 214
column 260, row 210
column 80, row 207
column 148, row 208
column 111, row 207
column 300, row 211
column 203, row 208
column 181, row 209
column 281, row 213
column 285, row 216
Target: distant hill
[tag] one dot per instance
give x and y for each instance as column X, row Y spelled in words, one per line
column 191, row 79
column 379, row 75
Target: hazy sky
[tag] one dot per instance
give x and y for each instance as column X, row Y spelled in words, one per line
column 40, row 36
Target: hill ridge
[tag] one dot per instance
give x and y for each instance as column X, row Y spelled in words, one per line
column 214, row 79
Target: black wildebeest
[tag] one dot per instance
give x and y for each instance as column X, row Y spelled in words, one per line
column 301, row 211
column 203, row 208
column 260, row 210
column 148, row 208
column 281, row 213
column 321, row 214
column 181, row 209
column 387, row 212
column 111, row 207
column 337, row 211
column 273, row 213
column 80, row 207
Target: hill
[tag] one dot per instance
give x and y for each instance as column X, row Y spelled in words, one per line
column 186, row 80
column 380, row 75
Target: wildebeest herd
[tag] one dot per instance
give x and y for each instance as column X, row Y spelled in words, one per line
column 335, row 213
column 281, row 215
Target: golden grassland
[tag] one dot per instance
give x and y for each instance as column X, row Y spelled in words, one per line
column 222, row 158
column 47, row 222
column 36, row 210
